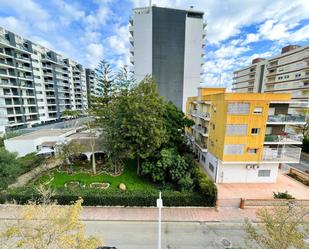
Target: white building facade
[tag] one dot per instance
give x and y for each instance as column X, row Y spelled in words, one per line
column 36, row 83
column 284, row 73
column 168, row 44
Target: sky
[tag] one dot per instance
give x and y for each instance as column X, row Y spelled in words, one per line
column 90, row 30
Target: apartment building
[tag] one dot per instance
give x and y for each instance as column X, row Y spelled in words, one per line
column 36, row 83
column 284, row 73
column 169, row 45
column 94, row 89
column 242, row 137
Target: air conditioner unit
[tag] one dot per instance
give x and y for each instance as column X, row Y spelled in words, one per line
column 248, row 166
column 256, row 166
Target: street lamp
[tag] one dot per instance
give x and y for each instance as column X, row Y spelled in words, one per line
column 159, row 206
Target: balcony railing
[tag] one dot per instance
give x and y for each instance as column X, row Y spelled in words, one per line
column 283, row 138
column 286, row 118
column 200, row 128
column 284, row 154
column 201, row 144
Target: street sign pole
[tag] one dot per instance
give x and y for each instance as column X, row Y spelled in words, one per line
column 159, row 206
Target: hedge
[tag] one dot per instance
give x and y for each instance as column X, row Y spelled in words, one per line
column 112, row 198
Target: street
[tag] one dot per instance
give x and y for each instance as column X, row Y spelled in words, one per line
column 175, row 235
column 303, row 165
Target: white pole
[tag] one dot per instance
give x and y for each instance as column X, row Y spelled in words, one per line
column 159, row 223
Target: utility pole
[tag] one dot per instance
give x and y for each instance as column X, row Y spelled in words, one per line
column 159, row 206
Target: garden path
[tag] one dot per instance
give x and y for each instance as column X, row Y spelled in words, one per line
column 27, row 177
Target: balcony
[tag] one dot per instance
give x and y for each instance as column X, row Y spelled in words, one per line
column 283, row 139
column 283, row 119
column 287, row 154
column 201, row 129
column 201, row 144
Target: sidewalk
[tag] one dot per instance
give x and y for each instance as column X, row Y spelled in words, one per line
column 191, row 214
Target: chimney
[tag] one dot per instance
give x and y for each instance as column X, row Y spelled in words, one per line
column 289, row 48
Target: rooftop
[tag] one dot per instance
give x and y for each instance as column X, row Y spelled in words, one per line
column 43, row 133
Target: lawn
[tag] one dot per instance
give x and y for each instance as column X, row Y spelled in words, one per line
column 128, row 177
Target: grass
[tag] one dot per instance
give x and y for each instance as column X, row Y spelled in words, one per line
column 128, row 177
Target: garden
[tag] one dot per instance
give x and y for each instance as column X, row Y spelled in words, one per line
column 143, row 147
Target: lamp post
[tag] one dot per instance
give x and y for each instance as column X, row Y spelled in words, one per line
column 159, row 206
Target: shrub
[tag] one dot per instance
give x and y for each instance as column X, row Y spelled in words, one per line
column 97, row 197
column 306, row 145
column 283, row 195
column 206, row 187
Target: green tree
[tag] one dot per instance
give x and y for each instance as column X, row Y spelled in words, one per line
column 175, row 123
column 106, row 82
column 124, row 80
column 47, row 226
column 280, row 227
column 133, row 123
column 67, row 151
column 169, row 166
column 9, row 167
column 67, row 113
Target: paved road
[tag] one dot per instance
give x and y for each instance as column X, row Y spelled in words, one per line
column 175, row 235
column 303, row 165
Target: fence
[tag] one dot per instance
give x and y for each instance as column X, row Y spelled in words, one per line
column 247, row 203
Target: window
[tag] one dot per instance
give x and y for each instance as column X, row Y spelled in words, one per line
column 255, row 131
column 234, row 149
column 203, row 159
column 211, row 167
column 252, row 151
column 238, row 108
column 213, row 126
column 236, row 129
column 264, row 173
column 258, row 110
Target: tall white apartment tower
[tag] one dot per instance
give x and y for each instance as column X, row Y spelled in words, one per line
column 168, row 44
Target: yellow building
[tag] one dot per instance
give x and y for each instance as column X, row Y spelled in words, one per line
column 243, row 137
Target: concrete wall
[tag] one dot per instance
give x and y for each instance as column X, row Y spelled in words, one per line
column 238, row 173
column 142, row 37
column 192, row 61
column 21, row 147
column 211, row 159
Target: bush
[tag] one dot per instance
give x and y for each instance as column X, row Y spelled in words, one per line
column 306, row 145
column 206, row 187
column 283, row 195
column 97, row 197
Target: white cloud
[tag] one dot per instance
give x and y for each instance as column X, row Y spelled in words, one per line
column 14, row 24
column 250, row 38
column 225, row 19
column 229, row 51
column 97, row 18
column 69, row 12
column 94, row 53
column 300, row 34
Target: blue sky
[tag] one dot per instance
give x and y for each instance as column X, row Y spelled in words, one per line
column 89, row 30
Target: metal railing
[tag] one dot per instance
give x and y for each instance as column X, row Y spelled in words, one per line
column 281, row 118
column 200, row 128
column 283, row 138
column 284, row 154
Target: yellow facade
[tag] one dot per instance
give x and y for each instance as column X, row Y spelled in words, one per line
column 209, row 110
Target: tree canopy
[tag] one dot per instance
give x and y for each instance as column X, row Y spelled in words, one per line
column 133, row 123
